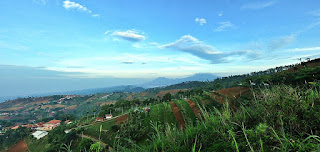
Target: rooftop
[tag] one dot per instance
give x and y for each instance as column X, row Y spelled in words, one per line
column 53, row 122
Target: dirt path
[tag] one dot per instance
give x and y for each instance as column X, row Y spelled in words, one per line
column 21, row 146
column 195, row 109
column 178, row 115
column 94, row 139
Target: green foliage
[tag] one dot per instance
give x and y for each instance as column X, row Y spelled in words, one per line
column 135, row 129
column 57, row 138
column 307, row 74
column 167, row 97
column 85, row 144
column 96, row 147
column 35, row 145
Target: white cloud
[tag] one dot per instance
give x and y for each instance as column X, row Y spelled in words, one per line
column 190, row 44
column 220, row 14
column 258, row 5
column 96, row 15
column 309, row 49
column 201, row 21
column 130, row 35
column 223, row 26
column 73, row 5
column 41, row 2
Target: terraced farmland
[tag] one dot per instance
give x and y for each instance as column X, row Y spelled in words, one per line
column 162, row 113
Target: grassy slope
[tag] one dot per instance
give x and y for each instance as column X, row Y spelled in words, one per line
column 162, row 114
column 106, row 134
column 33, row 144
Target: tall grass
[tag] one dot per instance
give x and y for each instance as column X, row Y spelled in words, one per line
column 279, row 118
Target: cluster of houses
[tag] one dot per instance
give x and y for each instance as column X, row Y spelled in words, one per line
column 41, row 128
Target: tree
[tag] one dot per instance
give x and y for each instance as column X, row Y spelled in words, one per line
column 167, row 97
column 87, row 115
column 85, row 144
column 94, row 112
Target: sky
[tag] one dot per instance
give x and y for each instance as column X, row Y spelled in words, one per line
column 143, row 39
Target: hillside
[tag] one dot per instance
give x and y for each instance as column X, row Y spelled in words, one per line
column 24, row 109
column 271, row 112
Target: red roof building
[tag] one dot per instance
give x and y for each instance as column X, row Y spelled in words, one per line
column 54, row 122
column 99, row 119
column 51, row 124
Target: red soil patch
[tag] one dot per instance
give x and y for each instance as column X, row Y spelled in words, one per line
column 229, row 94
column 21, row 146
column 121, row 119
column 234, row 92
column 174, row 91
column 195, row 109
column 178, row 116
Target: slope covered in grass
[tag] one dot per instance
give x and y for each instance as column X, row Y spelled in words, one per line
column 280, row 118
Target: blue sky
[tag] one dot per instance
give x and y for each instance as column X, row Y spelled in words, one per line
column 148, row 39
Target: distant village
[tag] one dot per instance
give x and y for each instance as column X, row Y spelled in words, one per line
column 41, row 129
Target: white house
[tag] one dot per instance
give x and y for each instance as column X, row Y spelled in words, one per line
column 39, row 134
column 108, row 116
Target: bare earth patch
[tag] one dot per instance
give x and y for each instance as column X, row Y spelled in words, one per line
column 178, row 116
column 195, row 109
column 21, row 146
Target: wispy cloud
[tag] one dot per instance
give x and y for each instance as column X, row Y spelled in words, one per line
column 220, row 14
column 41, row 2
column 190, row 44
column 281, row 42
column 200, row 21
column 73, row 5
column 258, row 5
column 127, row 62
column 315, row 13
column 130, row 35
column 223, row 26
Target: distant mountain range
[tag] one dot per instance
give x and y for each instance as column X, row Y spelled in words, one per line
column 162, row 81
column 158, row 82
column 123, row 88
